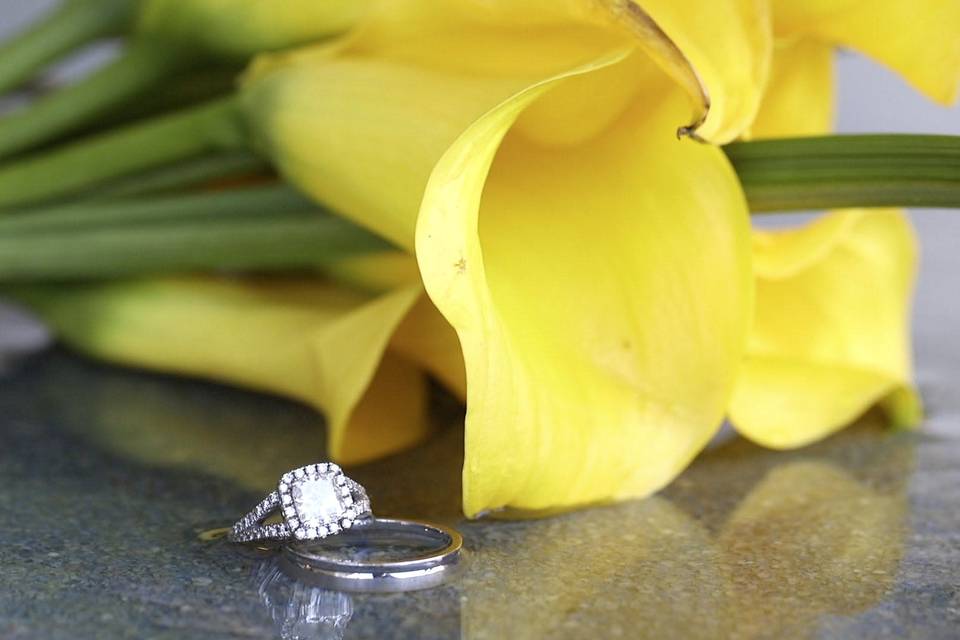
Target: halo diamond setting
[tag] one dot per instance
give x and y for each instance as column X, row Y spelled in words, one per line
column 317, row 501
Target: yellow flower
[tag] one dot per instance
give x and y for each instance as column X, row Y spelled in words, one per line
column 345, row 352
column 242, row 28
column 917, row 39
column 831, row 334
column 595, row 268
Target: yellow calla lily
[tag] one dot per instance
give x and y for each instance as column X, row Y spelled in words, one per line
column 305, row 339
column 918, row 40
column 595, row 268
column 831, row 331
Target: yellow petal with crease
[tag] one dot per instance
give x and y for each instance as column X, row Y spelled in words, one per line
column 308, row 106
column 719, row 52
column 599, row 294
column 424, row 337
column 800, row 99
column 427, row 339
column 304, row 339
column 362, row 133
column 916, row 38
column 831, row 333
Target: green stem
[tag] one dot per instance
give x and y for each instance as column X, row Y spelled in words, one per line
column 141, row 66
column 242, row 243
column 185, row 175
column 218, row 205
column 215, row 126
column 849, row 171
column 74, row 23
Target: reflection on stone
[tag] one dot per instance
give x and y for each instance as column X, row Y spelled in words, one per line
column 803, row 539
column 748, row 543
column 638, row 570
column 810, row 540
column 247, row 438
column 301, row 611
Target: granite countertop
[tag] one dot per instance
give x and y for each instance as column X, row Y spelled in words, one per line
column 111, row 482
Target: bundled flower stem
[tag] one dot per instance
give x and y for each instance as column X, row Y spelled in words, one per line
column 259, row 229
column 166, row 39
column 777, row 175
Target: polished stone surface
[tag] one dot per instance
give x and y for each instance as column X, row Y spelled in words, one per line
column 115, row 487
column 114, row 484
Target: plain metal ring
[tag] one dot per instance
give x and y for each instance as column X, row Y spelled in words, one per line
column 420, row 571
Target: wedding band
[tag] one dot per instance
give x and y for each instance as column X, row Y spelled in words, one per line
column 315, row 501
column 347, row 563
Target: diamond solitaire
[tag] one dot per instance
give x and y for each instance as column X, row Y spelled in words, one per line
column 316, row 501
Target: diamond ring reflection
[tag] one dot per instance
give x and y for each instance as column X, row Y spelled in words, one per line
column 301, row 611
column 314, row 502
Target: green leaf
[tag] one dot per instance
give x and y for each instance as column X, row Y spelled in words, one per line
column 849, row 171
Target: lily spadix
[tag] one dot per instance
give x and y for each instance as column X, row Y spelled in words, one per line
column 165, row 39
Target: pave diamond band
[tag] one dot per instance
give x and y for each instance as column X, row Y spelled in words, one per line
column 315, row 501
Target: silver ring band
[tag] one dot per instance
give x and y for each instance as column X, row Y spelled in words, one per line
column 319, row 563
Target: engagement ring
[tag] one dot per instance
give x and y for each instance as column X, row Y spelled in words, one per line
column 333, row 540
column 316, row 501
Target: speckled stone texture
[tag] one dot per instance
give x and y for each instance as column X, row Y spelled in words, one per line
column 114, row 484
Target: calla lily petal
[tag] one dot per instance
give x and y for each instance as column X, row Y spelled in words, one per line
column 478, row 55
column 718, row 51
column 362, row 133
column 427, row 339
column 800, row 99
column 917, row 39
column 423, row 337
column 831, row 333
column 304, row 339
column 550, row 260
column 596, row 357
